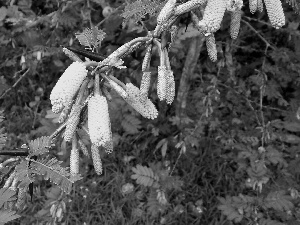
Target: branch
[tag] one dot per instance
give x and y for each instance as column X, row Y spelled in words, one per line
column 15, row 84
column 188, row 69
column 257, row 33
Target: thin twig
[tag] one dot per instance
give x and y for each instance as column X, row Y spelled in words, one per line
column 15, row 84
column 258, row 34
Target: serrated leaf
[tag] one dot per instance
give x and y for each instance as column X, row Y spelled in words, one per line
column 91, row 37
column 137, row 10
column 144, row 176
column 278, row 200
column 39, row 146
column 51, row 169
column 131, row 124
column 6, row 216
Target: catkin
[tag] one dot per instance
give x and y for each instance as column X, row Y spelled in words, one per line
column 64, row 114
column 21, row 198
column 260, row 6
column 83, row 148
column 170, row 92
column 166, row 12
column 71, row 55
column 213, row 15
column 118, row 89
column 235, row 23
column 145, row 85
column 72, row 122
column 99, row 121
column 74, row 161
column 67, row 86
column 161, row 82
column 146, row 109
column 275, row 13
column 147, row 58
column 188, row 6
column 96, row 159
column 211, row 47
column 253, row 6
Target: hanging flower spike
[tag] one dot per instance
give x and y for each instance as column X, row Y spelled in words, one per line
column 67, row 86
column 145, row 85
column 72, row 122
column 147, row 58
column 83, row 148
column 99, row 122
column 146, row 109
column 162, row 82
column 211, row 47
column 253, row 6
column 275, row 13
column 170, row 87
column 260, row 6
column 118, row 89
column 213, row 14
column 166, row 12
column 74, row 158
column 235, row 23
column 96, row 159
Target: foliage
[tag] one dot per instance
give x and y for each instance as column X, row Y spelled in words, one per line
column 229, row 141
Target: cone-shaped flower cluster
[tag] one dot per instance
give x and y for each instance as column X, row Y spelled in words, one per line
column 253, row 6
column 170, row 94
column 211, row 47
column 166, row 11
column 275, row 13
column 235, row 23
column 145, row 108
column 67, row 86
column 99, row 122
column 260, row 6
column 145, row 85
column 162, row 83
column 213, row 15
column 72, row 122
column 118, row 89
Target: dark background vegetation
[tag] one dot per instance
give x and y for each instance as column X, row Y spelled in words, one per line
column 223, row 113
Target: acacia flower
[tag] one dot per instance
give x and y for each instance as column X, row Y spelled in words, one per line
column 67, row 86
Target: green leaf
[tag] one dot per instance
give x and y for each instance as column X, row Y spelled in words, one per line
column 39, row 146
column 91, row 37
column 51, row 169
column 145, row 176
column 278, row 200
column 228, row 209
column 137, row 10
column 131, row 124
